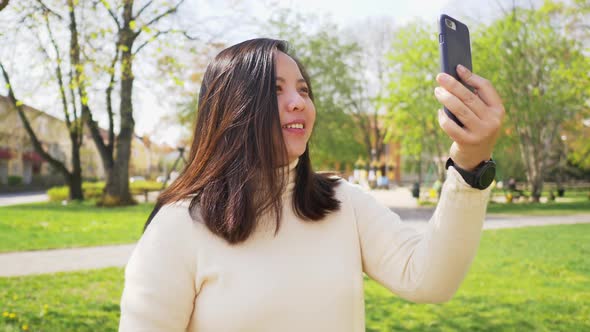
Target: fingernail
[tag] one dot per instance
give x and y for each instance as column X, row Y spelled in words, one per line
column 443, row 77
column 438, row 91
column 461, row 69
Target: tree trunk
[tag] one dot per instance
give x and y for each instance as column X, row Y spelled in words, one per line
column 117, row 186
column 535, row 169
column 536, row 187
column 420, row 169
column 75, row 181
column 75, row 186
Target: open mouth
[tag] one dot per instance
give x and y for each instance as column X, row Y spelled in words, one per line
column 294, row 125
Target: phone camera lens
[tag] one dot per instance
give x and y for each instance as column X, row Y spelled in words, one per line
column 450, row 24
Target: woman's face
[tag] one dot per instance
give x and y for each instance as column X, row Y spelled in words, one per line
column 296, row 110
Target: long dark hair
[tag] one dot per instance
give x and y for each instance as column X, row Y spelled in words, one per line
column 237, row 146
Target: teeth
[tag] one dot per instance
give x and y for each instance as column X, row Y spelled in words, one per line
column 295, row 126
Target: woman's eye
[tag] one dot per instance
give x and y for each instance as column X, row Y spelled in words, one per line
column 304, row 89
column 279, row 89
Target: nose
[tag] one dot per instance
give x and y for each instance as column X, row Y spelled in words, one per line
column 295, row 102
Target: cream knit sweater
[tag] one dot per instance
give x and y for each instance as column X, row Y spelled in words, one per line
column 309, row 277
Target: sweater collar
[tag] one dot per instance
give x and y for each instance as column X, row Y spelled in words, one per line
column 290, row 171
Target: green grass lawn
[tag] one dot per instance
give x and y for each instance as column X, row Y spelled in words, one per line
column 62, row 302
column 526, row 279
column 563, row 206
column 536, row 209
column 52, row 225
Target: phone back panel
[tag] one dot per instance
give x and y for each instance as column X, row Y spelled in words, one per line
column 455, row 47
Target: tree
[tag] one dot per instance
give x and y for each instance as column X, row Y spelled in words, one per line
column 375, row 38
column 186, row 112
column 329, row 62
column 40, row 13
column 411, row 105
column 577, row 130
column 129, row 24
column 537, row 70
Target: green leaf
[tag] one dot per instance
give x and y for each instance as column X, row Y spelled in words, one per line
column 178, row 81
column 106, row 4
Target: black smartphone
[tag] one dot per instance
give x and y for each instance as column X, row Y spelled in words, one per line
column 455, row 49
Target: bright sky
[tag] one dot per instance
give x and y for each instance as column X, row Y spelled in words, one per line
column 344, row 13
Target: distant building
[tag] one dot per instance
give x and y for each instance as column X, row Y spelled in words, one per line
column 19, row 159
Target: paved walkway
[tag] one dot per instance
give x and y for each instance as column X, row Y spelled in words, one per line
column 63, row 260
column 22, row 198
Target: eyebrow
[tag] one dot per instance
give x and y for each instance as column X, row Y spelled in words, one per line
column 301, row 80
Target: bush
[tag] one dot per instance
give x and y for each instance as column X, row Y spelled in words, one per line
column 58, row 194
column 138, row 187
column 93, row 190
column 14, row 180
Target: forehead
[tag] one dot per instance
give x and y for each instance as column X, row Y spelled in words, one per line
column 286, row 66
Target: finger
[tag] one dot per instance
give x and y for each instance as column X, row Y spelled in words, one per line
column 456, row 106
column 485, row 89
column 456, row 133
column 470, row 99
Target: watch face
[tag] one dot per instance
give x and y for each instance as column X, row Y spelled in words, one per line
column 487, row 176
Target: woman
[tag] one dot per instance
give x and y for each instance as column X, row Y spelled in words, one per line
column 249, row 238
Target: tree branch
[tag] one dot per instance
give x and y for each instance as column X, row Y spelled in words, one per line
column 142, row 9
column 110, row 102
column 86, row 114
column 152, row 39
column 3, row 4
column 45, row 8
column 58, row 71
column 191, row 37
column 157, row 18
column 111, row 13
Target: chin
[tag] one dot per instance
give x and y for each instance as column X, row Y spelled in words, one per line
column 295, row 154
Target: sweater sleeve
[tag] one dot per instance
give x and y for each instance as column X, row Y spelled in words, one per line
column 159, row 290
column 429, row 266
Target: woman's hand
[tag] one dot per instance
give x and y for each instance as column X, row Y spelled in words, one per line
column 481, row 114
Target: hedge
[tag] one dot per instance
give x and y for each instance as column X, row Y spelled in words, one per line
column 93, row 190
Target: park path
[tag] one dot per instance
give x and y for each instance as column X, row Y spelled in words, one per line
column 75, row 259
column 22, row 198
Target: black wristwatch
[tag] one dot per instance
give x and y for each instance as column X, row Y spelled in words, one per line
column 481, row 177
